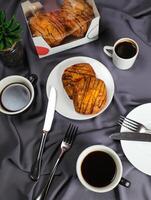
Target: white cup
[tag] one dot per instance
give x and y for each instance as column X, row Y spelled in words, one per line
column 118, row 172
column 17, row 80
column 120, row 62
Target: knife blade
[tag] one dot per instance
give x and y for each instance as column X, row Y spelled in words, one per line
column 132, row 136
column 50, row 110
column 36, row 168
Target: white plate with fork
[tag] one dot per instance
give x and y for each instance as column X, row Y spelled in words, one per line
column 139, row 153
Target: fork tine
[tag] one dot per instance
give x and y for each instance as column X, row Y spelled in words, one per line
column 67, row 132
column 130, row 120
column 73, row 134
column 119, row 122
column 127, row 125
column 67, row 140
column 70, row 134
column 130, row 123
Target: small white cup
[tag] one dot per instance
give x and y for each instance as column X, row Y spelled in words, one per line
column 15, row 79
column 119, row 62
column 118, row 174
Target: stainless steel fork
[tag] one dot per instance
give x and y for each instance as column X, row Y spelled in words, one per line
column 65, row 146
column 132, row 125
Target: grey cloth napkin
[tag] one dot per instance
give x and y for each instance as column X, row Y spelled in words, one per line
column 20, row 135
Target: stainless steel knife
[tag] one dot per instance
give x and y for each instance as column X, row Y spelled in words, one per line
column 36, row 168
column 133, row 136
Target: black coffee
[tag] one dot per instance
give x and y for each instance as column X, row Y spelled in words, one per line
column 126, row 49
column 15, row 97
column 98, row 169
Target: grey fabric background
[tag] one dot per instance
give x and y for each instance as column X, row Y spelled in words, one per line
column 20, row 135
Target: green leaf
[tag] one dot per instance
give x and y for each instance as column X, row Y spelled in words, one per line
column 1, row 45
column 1, row 36
column 10, row 40
column 14, row 37
column 13, row 34
column 13, row 22
column 2, row 17
column 10, row 31
column 7, row 44
column 8, row 23
column 15, row 28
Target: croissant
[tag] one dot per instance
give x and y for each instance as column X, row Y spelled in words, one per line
column 77, row 26
column 48, row 25
column 89, row 95
column 77, row 7
column 77, row 16
column 75, row 73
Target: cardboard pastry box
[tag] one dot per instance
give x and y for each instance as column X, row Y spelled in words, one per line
column 30, row 9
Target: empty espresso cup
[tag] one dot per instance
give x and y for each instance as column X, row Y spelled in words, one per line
column 123, row 53
column 16, row 94
column 99, row 169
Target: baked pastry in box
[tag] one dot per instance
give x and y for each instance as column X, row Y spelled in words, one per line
column 66, row 25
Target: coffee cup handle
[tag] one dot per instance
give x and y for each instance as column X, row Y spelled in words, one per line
column 108, row 50
column 124, row 182
column 32, row 78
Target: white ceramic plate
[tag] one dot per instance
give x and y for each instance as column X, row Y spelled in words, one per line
column 64, row 104
column 139, row 153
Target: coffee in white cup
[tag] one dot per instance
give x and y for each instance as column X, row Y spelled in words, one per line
column 99, row 169
column 123, row 53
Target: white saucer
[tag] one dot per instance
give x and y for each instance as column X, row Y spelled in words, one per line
column 139, row 153
column 64, row 104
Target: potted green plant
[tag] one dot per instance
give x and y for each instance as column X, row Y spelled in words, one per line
column 11, row 49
